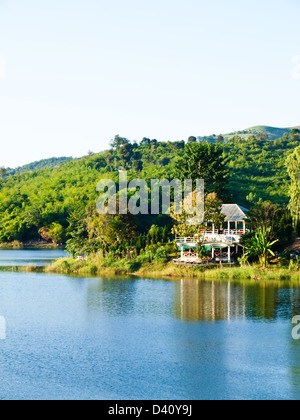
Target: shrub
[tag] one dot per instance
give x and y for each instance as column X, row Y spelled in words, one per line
column 160, row 255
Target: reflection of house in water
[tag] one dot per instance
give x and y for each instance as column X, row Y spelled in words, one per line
column 198, row 300
column 224, row 243
column 209, row 301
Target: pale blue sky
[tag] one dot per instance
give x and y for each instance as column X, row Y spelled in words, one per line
column 75, row 73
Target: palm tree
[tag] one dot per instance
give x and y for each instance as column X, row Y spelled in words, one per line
column 261, row 246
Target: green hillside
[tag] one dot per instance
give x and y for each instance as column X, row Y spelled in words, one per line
column 272, row 132
column 41, row 164
column 54, row 197
column 263, row 131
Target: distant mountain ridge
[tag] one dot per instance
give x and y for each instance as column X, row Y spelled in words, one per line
column 272, row 132
column 40, row 164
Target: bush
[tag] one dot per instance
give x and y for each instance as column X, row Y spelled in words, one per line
column 160, row 255
column 144, row 257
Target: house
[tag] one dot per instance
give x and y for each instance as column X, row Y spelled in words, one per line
column 223, row 243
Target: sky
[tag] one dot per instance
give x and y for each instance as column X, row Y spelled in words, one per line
column 73, row 74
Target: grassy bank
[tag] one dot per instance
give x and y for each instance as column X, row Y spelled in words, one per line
column 95, row 265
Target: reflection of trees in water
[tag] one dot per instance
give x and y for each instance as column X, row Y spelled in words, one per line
column 123, row 296
column 195, row 300
column 294, row 350
column 294, row 363
column 112, row 295
column 198, row 300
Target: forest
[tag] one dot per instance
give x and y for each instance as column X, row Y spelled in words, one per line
column 57, row 203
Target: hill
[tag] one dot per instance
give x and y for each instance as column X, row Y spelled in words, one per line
column 264, row 131
column 272, row 132
column 41, row 164
column 54, row 196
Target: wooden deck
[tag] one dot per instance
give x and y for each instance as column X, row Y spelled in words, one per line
column 197, row 263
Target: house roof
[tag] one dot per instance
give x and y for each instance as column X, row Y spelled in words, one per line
column 234, row 212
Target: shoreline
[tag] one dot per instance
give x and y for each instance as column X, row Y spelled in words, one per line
column 150, row 271
column 96, row 266
column 99, row 268
column 32, row 245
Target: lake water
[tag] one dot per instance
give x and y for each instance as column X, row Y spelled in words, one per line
column 93, row 338
column 38, row 257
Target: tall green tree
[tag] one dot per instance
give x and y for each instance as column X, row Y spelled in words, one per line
column 3, row 172
column 106, row 230
column 277, row 221
column 293, row 166
column 205, row 161
column 213, row 210
column 125, row 153
column 192, row 139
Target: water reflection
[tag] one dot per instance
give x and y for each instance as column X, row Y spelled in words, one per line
column 119, row 297
column 197, row 300
column 129, row 338
column 116, row 297
column 194, row 300
column 294, row 363
column 23, row 257
column 199, row 339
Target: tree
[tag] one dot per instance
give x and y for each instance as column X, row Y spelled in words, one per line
column 145, row 142
column 137, row 165
column 108, row 157
column 261, row 246
column 205, row 161
column 125, row 153
column 154, row 232
column 154, row 144
column 109, row 229
column 54, row 233
column 293, row 167
column 186, row 224
column 165, row 234
column 264, row 214
column 78, row 235
column 275, row 220
column 32, row 219
column 165, row 161
column 3, row 172
column 57, row 233
column 295, row 131
column 213, row 210
column 117, row 142
column 251, row 198
column 192, row 139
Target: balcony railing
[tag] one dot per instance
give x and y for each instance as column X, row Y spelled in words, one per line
column 228, row 236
